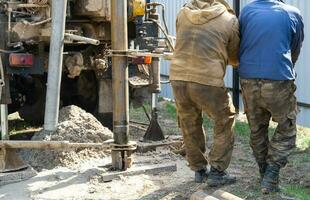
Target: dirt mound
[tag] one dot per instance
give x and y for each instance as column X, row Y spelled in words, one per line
column 75, row 125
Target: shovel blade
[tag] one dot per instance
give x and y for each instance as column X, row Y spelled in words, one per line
column 10, row 161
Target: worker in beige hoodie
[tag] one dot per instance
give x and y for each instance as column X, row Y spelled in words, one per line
column 207, row 41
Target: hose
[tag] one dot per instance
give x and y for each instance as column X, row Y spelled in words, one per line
column 164, row 17
column 164, row 32
column 11, row 51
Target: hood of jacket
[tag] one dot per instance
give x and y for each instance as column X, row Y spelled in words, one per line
column 202, row 11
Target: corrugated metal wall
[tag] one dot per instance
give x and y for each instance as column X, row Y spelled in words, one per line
column 303, row 70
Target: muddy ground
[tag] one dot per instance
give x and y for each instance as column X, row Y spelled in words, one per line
column 85, row 181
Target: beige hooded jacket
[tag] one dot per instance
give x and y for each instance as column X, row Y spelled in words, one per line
column 207, row 41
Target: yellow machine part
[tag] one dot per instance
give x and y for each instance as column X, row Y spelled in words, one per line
column 138, row 8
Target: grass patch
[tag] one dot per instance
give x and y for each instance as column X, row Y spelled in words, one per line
column 171, row 110
column 303, row 141
column 297, row 192
column 242, row 129
column 208, row 123
column 138, row 114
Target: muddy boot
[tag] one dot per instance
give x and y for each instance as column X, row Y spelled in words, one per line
column 270, row 182
column 218, row 178
column 262, row 169
column 201, row 176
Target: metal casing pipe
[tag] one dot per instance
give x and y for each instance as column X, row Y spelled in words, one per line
column 59, row 8
column 4, row 122
column 119, row 31
column 155, row 87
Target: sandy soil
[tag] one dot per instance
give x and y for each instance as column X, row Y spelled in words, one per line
column 85, row 180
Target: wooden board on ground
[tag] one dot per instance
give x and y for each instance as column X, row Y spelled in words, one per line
column 137, row 170
column 201, row 195
column 217, row 195
column 222, row 195
column 144, row 147
column 18, row 176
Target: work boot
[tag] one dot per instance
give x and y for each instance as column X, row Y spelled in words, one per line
column 201, row 175
column 270, row 182
column 262, row 169
column 217, row 178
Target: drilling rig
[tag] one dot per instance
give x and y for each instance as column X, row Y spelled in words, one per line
column 86, row 74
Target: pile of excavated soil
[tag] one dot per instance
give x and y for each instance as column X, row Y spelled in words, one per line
column 75, row 125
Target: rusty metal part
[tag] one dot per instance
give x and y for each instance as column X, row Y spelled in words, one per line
column 93, row 8
column 122, row 149
column 40, row 2
column 81, row 39
column 122, row 155
column 101, row 64
column 101, row 9
column 155, row 86
column 74, row 63
column 120, row 72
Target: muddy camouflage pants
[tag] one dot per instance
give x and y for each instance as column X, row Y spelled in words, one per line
column 192, row 100
column 263, row 100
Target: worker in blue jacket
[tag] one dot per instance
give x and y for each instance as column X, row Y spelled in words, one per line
column 271, row 40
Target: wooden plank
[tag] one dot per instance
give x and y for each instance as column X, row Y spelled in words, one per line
column 146, row 147
column 223, row 195
column 201, row 195
column 137, row 170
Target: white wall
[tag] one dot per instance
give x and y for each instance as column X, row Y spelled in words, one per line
column 303, row 65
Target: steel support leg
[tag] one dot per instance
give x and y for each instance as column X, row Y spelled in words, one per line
column 59, row 8
column 236, row 78
column 4, row 122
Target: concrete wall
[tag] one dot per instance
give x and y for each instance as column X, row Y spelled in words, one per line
column 303, row 70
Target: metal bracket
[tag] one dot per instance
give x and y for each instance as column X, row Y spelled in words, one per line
column 121, row 155
column 132, row 53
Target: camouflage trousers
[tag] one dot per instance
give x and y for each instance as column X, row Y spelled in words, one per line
column 263, row 100
column 192, row 100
